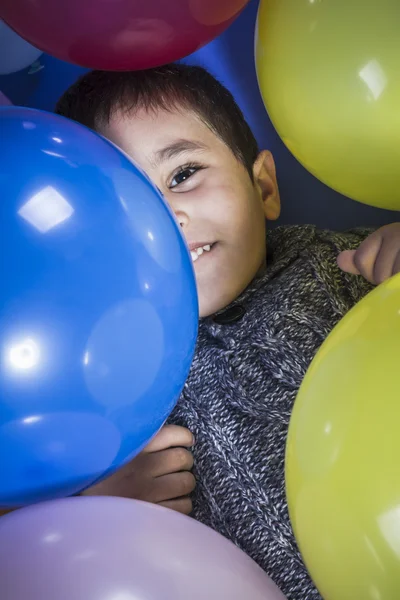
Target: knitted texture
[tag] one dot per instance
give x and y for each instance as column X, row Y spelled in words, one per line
column 240, row 392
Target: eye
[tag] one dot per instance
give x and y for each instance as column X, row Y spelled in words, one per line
column 183, row 174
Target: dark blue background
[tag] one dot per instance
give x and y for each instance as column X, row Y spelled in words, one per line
column 231, row 59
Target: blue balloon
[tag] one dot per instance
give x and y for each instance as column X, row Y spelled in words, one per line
column 98, row 308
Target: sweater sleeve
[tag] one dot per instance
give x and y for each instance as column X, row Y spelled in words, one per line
column 344, row 290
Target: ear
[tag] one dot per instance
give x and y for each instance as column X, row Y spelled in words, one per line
column 264, row 174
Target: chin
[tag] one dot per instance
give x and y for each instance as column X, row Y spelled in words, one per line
column 206, row 308
column 205, row 311
column 210, row 306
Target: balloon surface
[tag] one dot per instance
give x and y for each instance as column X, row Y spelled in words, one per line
column 98, row 307
column 15, row 53
column 343, row 455
column 118, row 549
column 329, row 76
column 122, row 35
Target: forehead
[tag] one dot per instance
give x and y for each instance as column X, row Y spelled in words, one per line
column 144, row 133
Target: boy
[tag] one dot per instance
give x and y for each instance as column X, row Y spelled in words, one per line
column 266, row 304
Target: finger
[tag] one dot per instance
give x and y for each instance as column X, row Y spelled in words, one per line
column 172, row 486
column 168, row 461
column 396, row 266
column 181, row 505
column 386, row 259
column 366, row 255
column 169, row 436
column 345, row 262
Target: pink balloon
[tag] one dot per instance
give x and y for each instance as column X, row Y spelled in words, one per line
column 121, row 35
column 99, row 548
column 4, row 101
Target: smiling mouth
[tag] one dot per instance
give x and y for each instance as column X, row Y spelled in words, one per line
column 195, row 253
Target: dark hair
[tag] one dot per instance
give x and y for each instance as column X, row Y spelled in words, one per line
column 93, row 98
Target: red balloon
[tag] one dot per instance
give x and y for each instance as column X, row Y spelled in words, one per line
column 120, row 35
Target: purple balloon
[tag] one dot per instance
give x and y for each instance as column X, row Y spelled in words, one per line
column 103, row 548
column 4, row 101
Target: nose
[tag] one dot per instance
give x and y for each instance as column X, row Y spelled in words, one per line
column 180, row 213
column 182, row 218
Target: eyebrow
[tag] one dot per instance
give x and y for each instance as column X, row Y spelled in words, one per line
column 176, row 148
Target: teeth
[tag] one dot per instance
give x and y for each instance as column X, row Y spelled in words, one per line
column 199, row 251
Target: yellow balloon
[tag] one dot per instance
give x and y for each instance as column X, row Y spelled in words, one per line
column 343, row 455
column 329, row 73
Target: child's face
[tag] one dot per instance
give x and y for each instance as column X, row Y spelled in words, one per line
column 221, row 211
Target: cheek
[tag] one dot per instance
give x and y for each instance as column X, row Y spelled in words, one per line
column 243, row 217
column 229, row 205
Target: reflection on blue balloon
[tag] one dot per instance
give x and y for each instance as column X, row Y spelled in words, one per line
column 107, row 369
column 168, row 258
column 23, row 355
column 46, row 209
column 98, row 308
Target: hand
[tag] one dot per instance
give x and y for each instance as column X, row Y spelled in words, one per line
column 159, row 474
column 377, row 258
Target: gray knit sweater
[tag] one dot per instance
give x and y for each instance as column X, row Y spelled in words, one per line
column 249, row 364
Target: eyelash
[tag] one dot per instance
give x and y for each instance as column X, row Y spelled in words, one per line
column 194, row 167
